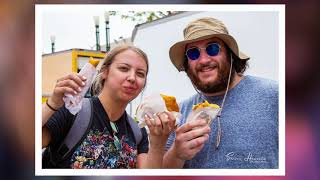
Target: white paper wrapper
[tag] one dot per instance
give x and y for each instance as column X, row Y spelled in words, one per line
column 150, row 106
column 74, row 102
column 207, row 113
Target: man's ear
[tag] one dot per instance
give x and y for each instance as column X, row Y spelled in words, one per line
column 186, row 64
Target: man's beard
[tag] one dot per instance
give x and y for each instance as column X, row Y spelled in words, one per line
column 218, row 85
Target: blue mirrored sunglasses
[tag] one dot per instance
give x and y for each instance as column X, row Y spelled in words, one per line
column 212, row 49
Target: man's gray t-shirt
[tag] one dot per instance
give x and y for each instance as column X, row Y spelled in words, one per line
column 249, row 123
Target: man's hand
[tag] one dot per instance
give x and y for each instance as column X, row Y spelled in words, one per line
column 190, row 139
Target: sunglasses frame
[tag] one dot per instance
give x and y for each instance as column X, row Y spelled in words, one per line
column 199, row 48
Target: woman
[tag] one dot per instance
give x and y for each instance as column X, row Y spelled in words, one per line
column 121, row 78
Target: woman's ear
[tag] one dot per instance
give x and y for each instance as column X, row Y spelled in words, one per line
column 104, row 74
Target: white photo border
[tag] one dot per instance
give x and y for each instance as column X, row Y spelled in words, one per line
column 39, row 9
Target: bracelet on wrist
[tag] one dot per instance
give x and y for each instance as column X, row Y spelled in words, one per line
column 53, row 109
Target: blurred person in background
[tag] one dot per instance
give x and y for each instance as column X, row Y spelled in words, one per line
column 302, row 91
column 110, row 140
column 249, row 119
column 17, row 89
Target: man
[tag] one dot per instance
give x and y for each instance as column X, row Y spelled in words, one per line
column 245, row 133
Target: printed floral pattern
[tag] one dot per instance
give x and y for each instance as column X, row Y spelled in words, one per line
column 98, row 151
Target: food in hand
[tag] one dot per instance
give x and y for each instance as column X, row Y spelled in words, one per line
column 157, row 103
column 204, row 111
column 204, row 104
column 73, row 102
column 171, row 103
column 94, row 62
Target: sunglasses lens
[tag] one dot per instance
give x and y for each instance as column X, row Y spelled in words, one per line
column 193, row 53
column 213, row 49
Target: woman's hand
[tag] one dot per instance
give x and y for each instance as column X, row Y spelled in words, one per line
column 70, row 84
column 161, row 126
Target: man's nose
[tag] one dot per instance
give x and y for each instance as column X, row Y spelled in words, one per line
column 203, row 58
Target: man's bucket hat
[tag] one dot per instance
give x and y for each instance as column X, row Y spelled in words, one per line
column 201, row 29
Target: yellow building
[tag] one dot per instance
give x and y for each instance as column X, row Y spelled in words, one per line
column 59, row 64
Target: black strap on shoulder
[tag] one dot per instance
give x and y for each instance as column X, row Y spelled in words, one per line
column 78, row 128
column 135, row 129
column 81, row 124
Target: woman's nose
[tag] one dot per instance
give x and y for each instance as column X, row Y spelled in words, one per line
column 131, row 77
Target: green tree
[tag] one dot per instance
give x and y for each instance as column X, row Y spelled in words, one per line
column 143, row 16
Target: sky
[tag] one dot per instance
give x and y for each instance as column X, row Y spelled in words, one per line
column 73, row 27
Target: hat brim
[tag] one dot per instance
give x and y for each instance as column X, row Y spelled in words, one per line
column 177, row 51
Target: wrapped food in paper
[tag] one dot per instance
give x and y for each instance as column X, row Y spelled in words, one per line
column 74, row 102
column 205, row 111
column 157, row 103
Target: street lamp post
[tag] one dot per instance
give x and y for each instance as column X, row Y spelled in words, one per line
column 53, row 40
column 96, row 23
column 106, row 17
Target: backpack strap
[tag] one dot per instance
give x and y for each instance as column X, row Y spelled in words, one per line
column 78, row 128
column 135, row 129
column 82, row 123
